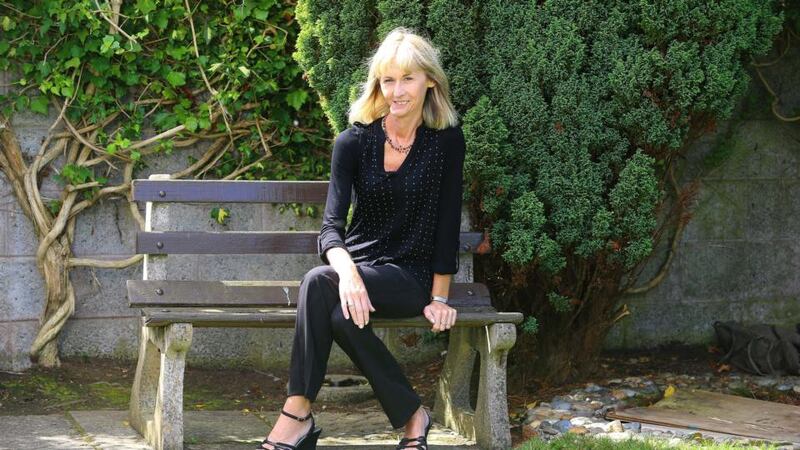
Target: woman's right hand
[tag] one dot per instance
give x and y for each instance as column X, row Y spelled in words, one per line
column 354, row 298
column 352, row 292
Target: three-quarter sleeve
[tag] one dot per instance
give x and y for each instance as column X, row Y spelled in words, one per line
column 344, row 163
column 448, row 227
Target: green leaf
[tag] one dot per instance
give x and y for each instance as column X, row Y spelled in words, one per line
column 260, row 14
column 109, row 44
column 7, row 24
column 244, row 70
column 190, row 123
column 54, row 206
column 73, row 63
column 177, row 52
column 296, row 98
column 220, row 215
column 100, row 64
column 145, row 6
column 40, row 105
column 176, row 78
column 161, row 20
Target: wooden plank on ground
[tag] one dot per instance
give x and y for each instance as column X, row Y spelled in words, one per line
column 181, row 293
column 709, row 411
column 285, row 317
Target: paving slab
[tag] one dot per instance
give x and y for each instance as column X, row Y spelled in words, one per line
column 217, row 430
column 209, row 427
column 54, row 432
column 109, row 430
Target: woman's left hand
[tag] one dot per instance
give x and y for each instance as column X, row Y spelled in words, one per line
column 440, row 315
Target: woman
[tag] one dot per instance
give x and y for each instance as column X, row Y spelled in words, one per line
column 403, row 160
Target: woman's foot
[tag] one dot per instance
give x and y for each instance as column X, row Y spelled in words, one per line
column 417, row 426
column 289, row 430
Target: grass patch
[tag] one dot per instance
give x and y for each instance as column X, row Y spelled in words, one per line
column 38, row 386
column 574, row 442
column 114, row 395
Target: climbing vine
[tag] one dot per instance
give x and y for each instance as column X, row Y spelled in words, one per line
column 128, row 82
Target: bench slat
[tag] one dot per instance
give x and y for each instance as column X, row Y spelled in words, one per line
column 246, row 242
column 216, row 191
column 285, row 318
column 179, row 293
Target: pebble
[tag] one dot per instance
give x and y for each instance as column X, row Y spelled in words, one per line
column 766, row 382
column 616, row 427
column 564, row 406
column 583, row 411
column 580, row 421
column 592, row 388
column 636, row 427
column 562, row 425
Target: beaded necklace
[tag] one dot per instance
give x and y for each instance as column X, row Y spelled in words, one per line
column 398, row 148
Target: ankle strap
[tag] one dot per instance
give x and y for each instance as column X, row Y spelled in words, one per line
column 299, row 419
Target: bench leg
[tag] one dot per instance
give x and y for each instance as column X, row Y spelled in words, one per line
column 491, row 412
column 488, row 424
column 156, row 409
column 452, row 408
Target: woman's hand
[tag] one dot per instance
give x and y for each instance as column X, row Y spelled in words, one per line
column 354, row 298
column 441, row 316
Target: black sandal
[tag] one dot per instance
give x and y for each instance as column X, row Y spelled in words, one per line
column 307, row 442
column 422, row 441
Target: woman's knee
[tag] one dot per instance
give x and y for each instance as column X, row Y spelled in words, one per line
column 319, row 273
column 319, row 283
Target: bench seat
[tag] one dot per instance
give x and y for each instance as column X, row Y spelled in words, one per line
column 284, row 318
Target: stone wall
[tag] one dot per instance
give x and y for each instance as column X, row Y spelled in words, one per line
column 739, row 256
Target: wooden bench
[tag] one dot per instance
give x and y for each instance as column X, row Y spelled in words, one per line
column 171, row 308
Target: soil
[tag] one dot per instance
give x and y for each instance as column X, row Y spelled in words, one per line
column 96, row 384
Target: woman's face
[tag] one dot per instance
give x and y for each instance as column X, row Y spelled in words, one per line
column 404, row 92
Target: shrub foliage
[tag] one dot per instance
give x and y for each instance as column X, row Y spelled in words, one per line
column 575, row 113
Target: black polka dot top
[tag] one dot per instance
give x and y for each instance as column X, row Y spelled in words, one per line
column 409, row 217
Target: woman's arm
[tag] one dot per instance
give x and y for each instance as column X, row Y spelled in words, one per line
column 353, row 296
column 343, row 169
column 448, row 226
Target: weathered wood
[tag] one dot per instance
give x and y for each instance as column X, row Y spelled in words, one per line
column 696, row 409
column 219, row 191
column 246, row 242
column 180, row 293
column 285, row 318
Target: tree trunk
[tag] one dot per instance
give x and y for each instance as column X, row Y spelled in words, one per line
column 567, row 344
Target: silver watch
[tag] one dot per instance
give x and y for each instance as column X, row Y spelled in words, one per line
column 439, row 298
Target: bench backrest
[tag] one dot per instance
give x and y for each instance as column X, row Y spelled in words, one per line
column 195, row 283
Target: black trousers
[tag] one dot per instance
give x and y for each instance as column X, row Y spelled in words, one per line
column 394, row 293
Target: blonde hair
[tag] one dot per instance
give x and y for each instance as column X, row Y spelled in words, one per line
column 410, row 52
